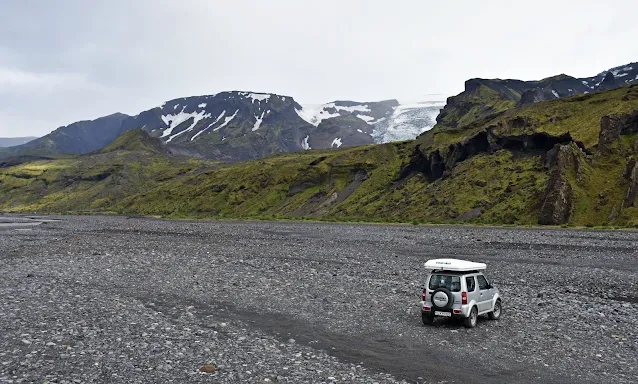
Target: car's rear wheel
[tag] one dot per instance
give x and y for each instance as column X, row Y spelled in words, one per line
column 470, row 321
column 427, row 317
column 496, row 312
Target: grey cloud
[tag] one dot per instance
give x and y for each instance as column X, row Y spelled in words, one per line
column 72, row 59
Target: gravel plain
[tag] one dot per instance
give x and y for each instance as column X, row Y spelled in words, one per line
column 135, row 300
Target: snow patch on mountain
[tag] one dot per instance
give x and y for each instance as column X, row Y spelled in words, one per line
column 408, row 121
column 337, row 142
column 352, row 108
column 172, row 121
column 259, row 97
column 259, row 120
column 209, row 125
column 226, row 121
column 367, row 119
column 314, row 114
column 617, row 71
column 304, row 143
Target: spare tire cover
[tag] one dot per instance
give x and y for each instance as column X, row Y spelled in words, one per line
column 442, row 298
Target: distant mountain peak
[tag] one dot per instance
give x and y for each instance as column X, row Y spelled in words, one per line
column 14, row 141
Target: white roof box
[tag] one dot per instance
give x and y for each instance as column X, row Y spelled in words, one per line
column 454, row 265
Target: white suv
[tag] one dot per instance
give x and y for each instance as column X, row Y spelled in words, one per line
column 458, row 288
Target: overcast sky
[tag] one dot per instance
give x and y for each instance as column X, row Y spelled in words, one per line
column 68, row 60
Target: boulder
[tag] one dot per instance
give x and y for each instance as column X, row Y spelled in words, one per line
column 471, row 214
column 208, row 368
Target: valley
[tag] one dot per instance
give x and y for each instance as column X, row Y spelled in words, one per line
column 132, row 299
column 250, row 192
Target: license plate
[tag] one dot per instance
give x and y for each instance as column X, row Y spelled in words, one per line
column 439, row 313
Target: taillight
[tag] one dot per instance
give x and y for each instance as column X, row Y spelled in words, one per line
column 464, row 298
column 424, row 295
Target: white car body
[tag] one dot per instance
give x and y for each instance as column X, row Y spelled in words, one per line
column 453, row 288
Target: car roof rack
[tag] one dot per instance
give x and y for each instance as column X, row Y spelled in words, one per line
column 454, row 265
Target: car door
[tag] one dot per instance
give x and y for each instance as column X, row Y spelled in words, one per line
column 485, row 294
column 472, row 291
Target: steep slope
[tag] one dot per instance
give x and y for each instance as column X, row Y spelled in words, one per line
column 483, row 97
column 76, row 138
column 567, row 161
column 14, row 141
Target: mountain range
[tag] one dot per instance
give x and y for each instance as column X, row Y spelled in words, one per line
column 496, row 156
column 231, row 126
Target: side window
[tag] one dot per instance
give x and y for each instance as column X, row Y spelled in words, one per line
column 482, row 282
column 470, row 283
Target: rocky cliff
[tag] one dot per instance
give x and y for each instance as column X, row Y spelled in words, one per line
column 484, row 97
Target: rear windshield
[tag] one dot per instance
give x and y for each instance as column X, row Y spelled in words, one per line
column 452, row 283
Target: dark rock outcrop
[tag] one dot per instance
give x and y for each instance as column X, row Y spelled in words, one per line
column 613, row 126
column 536, row 95
column 340, row 131
column 632, row 192
column 610, row 127
column 609, row 82
column 438, row 164
column 558, row 199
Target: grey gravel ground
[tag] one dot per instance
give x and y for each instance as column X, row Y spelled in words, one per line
column 111, row 299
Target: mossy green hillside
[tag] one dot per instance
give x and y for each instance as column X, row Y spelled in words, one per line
column 578, row 115
column 370, row 183
column 87, row 183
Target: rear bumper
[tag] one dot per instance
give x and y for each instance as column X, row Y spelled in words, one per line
column 463, row 311
column 452, row 314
